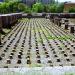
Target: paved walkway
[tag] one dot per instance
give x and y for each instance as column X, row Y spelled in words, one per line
column 37, row 43
column 38, row 71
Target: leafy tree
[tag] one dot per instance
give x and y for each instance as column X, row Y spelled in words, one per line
column 28, row 10
column 52, row 8
column 38, row 7
column 21, row 6
column 4, row 8
column 60, row 8
column 15, row 7
column 56, row 7
column 46, row 8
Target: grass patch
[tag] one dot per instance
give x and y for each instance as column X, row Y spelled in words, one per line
column 60, row 37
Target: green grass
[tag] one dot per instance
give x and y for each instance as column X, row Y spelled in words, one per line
column 69, row 73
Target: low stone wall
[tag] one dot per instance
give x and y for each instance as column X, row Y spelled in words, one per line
column 7, row 20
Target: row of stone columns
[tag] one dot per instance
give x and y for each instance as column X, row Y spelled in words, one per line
column 58, row 20
column 67, row 26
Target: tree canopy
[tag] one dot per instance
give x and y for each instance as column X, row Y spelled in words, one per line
column 38, row 7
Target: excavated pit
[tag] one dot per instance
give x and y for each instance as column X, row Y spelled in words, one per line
column 35, row 42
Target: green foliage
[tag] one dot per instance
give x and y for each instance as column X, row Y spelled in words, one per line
column 28, row 10
column 56, row 8
column 4, row 7
column 46, row 8
column 14, row 7
column 8, row 7
column 52, row 8
column 69, row 73
column 72, row 10
column 11, row 6
column 21, row 6
column 38, row 7
column 60, row 8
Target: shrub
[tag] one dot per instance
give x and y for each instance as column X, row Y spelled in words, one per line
column 72, row 10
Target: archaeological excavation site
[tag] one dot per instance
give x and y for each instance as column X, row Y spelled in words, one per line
column 27, row 41
column 37, row 37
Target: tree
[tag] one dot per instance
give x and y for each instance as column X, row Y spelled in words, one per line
column 21, row 7
column 46, row 8
column 38, row 7
column 52, row 8
column 60, row 8
column 4, row 8
column 28, row 10
column 56, row 8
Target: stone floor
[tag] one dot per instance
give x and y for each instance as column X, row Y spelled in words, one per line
column 37, row 43
column 38, row 71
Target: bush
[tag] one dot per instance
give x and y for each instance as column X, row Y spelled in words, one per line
column 72, row 10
